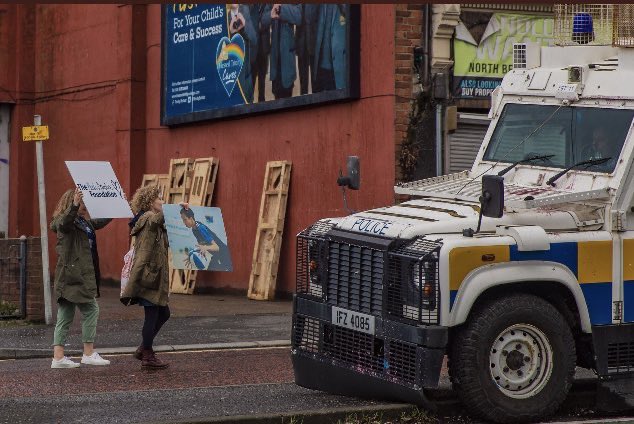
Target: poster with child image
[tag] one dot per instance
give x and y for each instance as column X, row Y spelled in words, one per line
column 197, row 238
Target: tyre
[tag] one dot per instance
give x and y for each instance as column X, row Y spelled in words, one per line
column 514, row 360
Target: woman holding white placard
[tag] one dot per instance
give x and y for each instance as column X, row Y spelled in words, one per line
column 76, row 276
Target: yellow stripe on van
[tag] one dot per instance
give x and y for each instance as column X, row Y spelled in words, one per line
column 594, row 261
column 628, row 259
column 463, row 260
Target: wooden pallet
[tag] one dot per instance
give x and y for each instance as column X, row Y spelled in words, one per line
column 268, row 239
column 149, row 179
column 163, row 181
column 178, row 186
column 203, row 181
column 180, row 281
column 201, row 194
column 179, row 180
column 204, row 171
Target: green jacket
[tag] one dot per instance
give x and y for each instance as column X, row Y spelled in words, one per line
column 75, row 273
column 149, row 275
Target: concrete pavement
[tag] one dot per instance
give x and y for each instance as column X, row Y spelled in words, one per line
column 198, row 322
column 230, row 362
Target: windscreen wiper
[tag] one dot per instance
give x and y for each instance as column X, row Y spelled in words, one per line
column 588, row 163
column 525, row 160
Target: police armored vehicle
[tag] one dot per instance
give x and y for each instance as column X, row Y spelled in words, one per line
column 517, row 270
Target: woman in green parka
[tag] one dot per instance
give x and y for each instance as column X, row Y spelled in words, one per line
column 148, row 284
column 76, row 277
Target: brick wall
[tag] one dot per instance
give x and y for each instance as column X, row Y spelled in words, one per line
column 408, row 34
column 10, row 276
column 34, row 285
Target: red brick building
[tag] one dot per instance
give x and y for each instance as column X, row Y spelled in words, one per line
column 93, row 72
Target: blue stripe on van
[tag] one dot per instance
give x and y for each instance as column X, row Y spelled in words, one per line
column 598, row 296
column 564, row 253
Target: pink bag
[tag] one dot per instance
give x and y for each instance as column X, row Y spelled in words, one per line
column 127, row 267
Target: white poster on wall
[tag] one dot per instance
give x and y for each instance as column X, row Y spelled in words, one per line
column 103, row 195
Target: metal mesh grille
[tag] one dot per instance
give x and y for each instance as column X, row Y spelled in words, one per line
column 392, row 360
column 362, row 351
column 355, row 278
column 413, row 293
column 623, row 25
column 620, row 357
column 401, row 360
column 306, row 334
column 311, row 259
column 582, row 24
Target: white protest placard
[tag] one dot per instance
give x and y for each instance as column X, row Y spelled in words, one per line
column 103, row 195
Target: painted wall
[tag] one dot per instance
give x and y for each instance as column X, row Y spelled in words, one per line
column 97, row 85
column 5, row 113
column 8, row 20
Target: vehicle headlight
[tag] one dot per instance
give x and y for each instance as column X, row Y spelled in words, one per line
column 424, row 284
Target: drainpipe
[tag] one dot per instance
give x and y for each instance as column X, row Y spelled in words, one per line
column 439, row 131
column 427, row 11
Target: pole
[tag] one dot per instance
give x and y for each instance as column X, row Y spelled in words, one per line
column 46, row 276
column 23, row 277
column 439, row 131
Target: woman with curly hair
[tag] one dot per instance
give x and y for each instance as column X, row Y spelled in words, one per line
column 76, row 277
column 148, row 285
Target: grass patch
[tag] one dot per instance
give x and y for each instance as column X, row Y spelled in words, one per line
column 415, row 416
column 8, row 309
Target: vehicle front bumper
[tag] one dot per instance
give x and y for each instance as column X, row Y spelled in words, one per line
column 397, row 363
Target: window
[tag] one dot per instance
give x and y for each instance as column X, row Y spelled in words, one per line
column 571, row 134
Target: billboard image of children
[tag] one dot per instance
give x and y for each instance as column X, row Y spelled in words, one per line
column 197, row 238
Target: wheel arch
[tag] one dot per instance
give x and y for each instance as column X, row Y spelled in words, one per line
column 549, row 280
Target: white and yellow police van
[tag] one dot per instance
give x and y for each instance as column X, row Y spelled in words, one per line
column 517, row 270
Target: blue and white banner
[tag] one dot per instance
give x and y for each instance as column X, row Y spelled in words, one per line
column 203, row 64
column 234, row 59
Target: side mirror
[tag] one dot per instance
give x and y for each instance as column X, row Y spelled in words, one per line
column 492, row 199
column 353, row 179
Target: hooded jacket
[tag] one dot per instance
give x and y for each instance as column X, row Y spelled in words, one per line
column 75, row 273
column 149, row 275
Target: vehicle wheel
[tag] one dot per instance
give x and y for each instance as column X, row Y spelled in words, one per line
column 514, row 360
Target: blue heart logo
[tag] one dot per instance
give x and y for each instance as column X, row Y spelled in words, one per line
column 229, row 61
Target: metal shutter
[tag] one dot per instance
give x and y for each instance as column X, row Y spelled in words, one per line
column 464, row 143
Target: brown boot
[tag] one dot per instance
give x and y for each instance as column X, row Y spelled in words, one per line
column 150, row 361
column 138, row 354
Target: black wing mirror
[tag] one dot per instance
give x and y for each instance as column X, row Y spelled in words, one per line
column 491, row 201
column 353, row 179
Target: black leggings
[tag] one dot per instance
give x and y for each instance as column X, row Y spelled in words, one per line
column 155, row 317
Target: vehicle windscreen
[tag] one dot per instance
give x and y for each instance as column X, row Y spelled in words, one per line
column 571, row 134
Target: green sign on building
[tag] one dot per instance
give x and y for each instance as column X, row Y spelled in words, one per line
column 480, row 66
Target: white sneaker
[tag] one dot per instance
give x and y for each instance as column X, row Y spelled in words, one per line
column 65, row 362
column 94, row 359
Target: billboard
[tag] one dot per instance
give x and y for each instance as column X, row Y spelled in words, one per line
column 221, row 60
column 480, row 65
